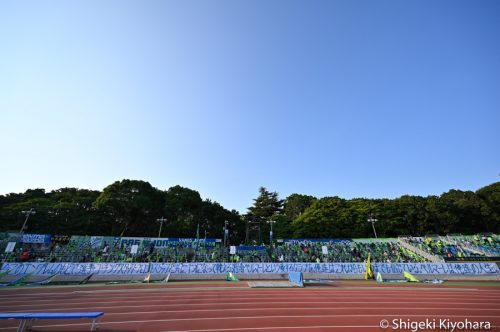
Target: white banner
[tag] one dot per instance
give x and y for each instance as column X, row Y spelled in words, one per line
column 256, row 268
column 10, row 247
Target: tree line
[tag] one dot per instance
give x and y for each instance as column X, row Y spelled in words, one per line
column 134, row 207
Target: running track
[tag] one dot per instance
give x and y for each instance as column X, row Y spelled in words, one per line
column 233, row 307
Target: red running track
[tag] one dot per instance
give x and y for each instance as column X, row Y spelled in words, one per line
column 233, row 307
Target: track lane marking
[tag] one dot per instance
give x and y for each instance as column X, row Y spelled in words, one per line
column 260, row 317
column 85, row 305
column 170, row 299
column 274, row 308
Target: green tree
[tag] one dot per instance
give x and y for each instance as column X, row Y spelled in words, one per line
column 323, row 219
column 72, row 211
column 490, row 209
column 411, row 215
column 357, row 212
column 295, row 204
column 13, row 219
column 132, row 206
column 213, row 218
column 266, row 207
column 183, row 210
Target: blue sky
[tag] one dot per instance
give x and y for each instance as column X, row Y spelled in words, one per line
column 347, row 98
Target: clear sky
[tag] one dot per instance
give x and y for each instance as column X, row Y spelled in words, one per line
column 348, row 98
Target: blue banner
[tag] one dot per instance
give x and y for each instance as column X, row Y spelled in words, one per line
column 164, row 242
column 243, row 249
column 307, row 241
column 36, row 238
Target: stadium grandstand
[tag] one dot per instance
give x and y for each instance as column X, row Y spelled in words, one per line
column 103, row 249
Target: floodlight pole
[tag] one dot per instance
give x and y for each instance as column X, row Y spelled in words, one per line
column 271, row 222
column 226, row 232
column 161, row 221
column 373, row 221
column 27, row 214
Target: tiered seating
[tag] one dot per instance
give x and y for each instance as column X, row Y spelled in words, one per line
column 250, row 254
column 80, row 249
column 345, row 251
column 438, row 246
column 111, row 249
column 181, row 253
column 485, row 243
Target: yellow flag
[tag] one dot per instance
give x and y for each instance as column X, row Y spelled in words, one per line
column 410, row 277
column 231, row 277
column 368, row 270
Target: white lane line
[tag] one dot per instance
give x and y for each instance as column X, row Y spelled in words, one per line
column 281, row 328
column 17, row 298
column 109, row 303
column 291, row 291
column 271, row 291
column 225, row 297
column 272, row 308
column 305, row 303
column 261, row 317
column 301, row 309
column 42, row 297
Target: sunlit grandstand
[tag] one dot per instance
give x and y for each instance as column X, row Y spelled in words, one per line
column 106, row 249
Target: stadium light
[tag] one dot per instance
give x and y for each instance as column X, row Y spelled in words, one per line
column 161, row 221
column 271, row 222
column 373, row 221
column 27, row 214
column 226, row 232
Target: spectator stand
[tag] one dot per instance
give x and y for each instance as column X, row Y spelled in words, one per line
column 416, row 245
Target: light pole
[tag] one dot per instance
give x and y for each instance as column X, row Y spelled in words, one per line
column 161, row 221
column 226, row 232
column 271, row 222
column 373, row 221
column 27, row 214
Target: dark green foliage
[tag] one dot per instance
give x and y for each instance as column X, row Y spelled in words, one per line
column 490, row 209
column 183, row 207
column 212, row 221
column 267, row 206
column 455, row 211
column 131, row 208
column 72, row 211
column 63, row 211
column 295, row 204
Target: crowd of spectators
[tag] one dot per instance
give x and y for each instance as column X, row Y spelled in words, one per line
column 452, row 247
column 80, row 249
column 486, row 243
column 345, row 251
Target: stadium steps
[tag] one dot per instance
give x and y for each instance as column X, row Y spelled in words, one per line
column 418, row 251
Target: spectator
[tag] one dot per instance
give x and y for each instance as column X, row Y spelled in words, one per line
column 25, row 255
